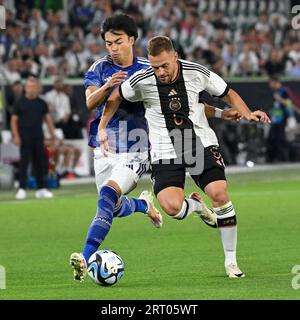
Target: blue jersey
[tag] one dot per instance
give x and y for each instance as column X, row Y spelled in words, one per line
column 129, row 116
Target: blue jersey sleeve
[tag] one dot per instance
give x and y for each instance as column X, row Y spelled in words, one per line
column 92, row 78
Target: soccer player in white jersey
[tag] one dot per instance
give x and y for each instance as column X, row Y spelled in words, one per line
column 179, row 133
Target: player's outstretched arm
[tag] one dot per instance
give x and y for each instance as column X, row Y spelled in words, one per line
column 227, row 114
column 233, row 99
column 109, row 110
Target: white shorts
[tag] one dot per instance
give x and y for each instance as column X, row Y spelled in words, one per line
column 123, row 168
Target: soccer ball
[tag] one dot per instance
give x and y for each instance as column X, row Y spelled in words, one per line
column 105, row 267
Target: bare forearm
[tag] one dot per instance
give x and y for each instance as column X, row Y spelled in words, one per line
column 109, row 110
column 236, row 102
column 228, row 114
column 96, row 97
column 14, row 126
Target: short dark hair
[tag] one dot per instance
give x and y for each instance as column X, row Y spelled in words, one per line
column 159, row 44
column 119, row 22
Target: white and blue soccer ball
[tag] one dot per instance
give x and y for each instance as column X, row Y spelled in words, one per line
column 105, row 267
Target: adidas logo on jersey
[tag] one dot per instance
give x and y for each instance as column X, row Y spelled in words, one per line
column 174, row 100
column 173, row 92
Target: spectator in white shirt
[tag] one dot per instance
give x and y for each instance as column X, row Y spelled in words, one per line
column 12, row 71
column 59, row 104
column 76, row 58
column 263, row 24
column 247, row 62
column 294, row 54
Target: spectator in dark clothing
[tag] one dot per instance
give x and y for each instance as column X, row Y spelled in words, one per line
column 26, row 124
column 277, row 143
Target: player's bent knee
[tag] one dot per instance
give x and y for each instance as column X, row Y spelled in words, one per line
column 219, row 197
column 171, row 206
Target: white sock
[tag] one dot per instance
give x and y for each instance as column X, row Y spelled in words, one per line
column 188, row 206
column 228, row 231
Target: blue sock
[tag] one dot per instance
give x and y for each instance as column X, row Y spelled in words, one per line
column 129, row 206
column 101, row 224
column 140, row 205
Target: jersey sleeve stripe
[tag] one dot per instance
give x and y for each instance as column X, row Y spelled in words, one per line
column 139, row 76
column 145, row 71
column 94, row 65
column 201, row 70
column 144, row 63
column 143, row 59
column 195, row 65
column 192, row 64
column 224, row 93
column 140, row 79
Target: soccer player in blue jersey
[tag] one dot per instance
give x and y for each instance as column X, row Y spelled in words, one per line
column 118, row 171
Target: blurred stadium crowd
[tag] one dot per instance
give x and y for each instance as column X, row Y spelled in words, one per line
column 238, row 39
column 233, row 38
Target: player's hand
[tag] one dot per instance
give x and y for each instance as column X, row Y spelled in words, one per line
column 117, row 78
column 103, row 139
column 258, row 116
column 231, row 114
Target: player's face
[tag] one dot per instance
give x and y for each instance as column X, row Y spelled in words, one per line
column 165, row 66
column 120, row 46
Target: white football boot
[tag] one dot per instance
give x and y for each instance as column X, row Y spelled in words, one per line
column 154, row 215
column 233, row 271
column 207, row 215
column 79, row 266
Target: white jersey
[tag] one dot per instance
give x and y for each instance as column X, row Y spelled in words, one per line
column 174, row 105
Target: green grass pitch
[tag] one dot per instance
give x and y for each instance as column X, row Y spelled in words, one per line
column 183, row 260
